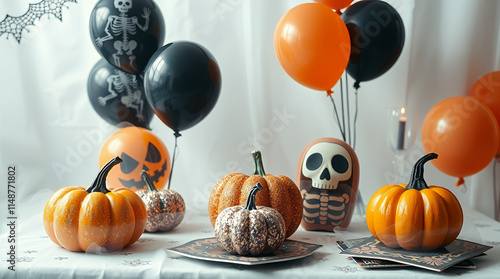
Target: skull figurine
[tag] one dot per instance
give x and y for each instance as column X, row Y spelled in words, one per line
column 123, row 5
column 326, row 164
column 327, row 176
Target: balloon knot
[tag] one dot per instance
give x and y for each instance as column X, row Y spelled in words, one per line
column 329, row 92
column 356, row 85
column 177, row 134
column 460, row 181
column 338, row 12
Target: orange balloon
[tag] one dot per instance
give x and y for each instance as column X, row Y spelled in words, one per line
column 464, row 133
column 139, row 149
column 487, row 90
column 335, row 4
column 312, row 45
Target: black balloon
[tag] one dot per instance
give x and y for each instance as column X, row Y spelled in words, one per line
column 127, row 32
column 182, row 83
column 377, row 37
column 117, row 96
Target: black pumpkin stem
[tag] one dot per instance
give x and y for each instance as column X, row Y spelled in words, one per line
column 99, row 184
column 258, row 166
column 148, row 181
column 151, row 187
column 417, row 180
column 250, row 205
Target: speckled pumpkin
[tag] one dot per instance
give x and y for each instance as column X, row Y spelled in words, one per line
column 250, row 230
column 96, row 219
column 165, row 208
column 278, row 192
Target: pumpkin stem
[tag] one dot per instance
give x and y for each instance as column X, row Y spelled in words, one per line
column 99, row 184
column 250, row 205
column 147, row 180
column 258, row 167
column 417, row 181
column 151, row 187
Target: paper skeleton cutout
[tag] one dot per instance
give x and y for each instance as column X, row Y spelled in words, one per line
column 126, row 85
column 123, row 26
column 327, row 175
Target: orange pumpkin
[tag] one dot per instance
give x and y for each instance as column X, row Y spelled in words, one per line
column 415, row 216
column 139, row 149
column 278, row 192
column 95, row 219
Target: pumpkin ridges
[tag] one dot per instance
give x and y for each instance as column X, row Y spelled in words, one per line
column 295, row 203
column 272, row 219
column 456, row 219
column 371, row 208
column 279, row 199
column 214, row 200
column 227, row 214
column 409, row 220
column 94, row 220
column 65, row 224
column 139, row 211
column 231, row 193
column 122, row 223
column 240, row 231
column 262, row 197
column 385, row 216
column 436, row 220
column 48, row 212
column 257, row 223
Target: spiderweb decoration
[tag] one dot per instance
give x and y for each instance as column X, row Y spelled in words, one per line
column 16, row 25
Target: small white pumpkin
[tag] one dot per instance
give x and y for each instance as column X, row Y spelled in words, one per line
column 165, row 208
column 250, row 230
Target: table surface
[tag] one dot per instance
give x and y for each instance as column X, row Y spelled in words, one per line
column 38, row 257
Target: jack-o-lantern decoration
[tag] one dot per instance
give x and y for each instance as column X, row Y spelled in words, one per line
column 139, row 149
column 327, row 176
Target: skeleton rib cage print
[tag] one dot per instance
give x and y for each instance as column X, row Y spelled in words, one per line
column 327, row 175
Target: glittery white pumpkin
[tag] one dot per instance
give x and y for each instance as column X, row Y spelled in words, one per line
column 250, row 230
column 165, row 208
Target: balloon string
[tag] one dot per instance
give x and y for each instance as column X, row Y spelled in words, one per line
column 496, row 198
column 176, row 134
column 355, row 118
column 464, row 188
column 337, row 117
column 348, row 111
column 342, row 103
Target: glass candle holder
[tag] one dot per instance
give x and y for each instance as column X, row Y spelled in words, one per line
column 401, row 132
column 401, row 126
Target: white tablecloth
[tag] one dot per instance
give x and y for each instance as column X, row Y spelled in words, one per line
column 38, row 257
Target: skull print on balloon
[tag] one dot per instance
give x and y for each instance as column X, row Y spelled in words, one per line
column 327, row 175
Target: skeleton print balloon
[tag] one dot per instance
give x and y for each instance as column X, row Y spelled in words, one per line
column 139, row 149
column 127, row 32
column 118, row 96
column 327, row 175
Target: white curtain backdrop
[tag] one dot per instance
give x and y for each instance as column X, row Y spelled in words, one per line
column 50, row 132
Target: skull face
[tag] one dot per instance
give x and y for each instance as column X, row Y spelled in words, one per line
column 123, row 5
column 326, row 164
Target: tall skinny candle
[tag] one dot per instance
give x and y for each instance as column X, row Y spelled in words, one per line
column 401, row 132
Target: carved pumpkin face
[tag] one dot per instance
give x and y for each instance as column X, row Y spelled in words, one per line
column 140, row 150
